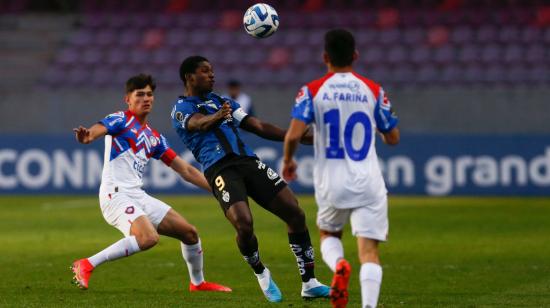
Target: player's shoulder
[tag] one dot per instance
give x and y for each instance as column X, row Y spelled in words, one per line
column 220, row 98
column 183, row 100
column 372, row 85
column 117, row 114
column 115, row 118
column 314, row 86
column 185, row 103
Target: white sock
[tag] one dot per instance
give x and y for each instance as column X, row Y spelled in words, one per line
column 332, row 251
column 123, row 248
column 371, row 278
column 192, row 254
column 263, row 278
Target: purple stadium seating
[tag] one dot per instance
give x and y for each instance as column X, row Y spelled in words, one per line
column 401, row 42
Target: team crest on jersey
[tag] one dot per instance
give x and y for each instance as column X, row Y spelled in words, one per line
column 179, row 116
column 225, row 196
column 153, row 140
column 271, row 174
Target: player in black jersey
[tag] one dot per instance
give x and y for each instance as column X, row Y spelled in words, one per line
column 209, row 126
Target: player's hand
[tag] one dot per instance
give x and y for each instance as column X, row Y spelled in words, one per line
column 82, row 134
column 289, row 170
column 225, row 111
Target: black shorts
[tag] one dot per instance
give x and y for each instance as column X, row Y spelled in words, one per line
column 234, row 178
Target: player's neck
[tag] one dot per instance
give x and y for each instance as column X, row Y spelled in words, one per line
column 339, row 69
column 194, row 92
column 142, row 119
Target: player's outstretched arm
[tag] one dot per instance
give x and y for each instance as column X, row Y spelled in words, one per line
column 263, row 129
column 292, row 138
column 87, row 135
column 190, row 173
column 392, row 137
column 202, row 122
column 270, row 131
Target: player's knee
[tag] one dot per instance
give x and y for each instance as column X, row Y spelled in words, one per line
column 148, row 240
column 323, row 234
column 245, row 229
column 369, row 256
column 190, row 236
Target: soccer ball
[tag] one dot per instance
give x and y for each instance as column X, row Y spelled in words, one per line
column 261, row 20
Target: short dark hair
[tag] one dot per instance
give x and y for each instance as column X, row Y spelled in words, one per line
column 233, row 83
column 189, row 66
column 340, row 46
column 139, row 82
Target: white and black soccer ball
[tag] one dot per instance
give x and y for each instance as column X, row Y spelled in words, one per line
column 261, row 20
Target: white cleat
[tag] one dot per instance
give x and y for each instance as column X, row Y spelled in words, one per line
column 314, row 289
column 268, row 286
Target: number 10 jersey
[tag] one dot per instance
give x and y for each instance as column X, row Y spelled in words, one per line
column 346, row 110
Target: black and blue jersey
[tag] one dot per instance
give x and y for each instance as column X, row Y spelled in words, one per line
column 210, row 146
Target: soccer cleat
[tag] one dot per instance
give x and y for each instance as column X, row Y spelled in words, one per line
column 271, row 292
column 314, row 289
column 208, row 286
column 82, row 270
column 339, row 286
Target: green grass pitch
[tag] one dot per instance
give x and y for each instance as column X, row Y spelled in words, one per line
column 442, row 252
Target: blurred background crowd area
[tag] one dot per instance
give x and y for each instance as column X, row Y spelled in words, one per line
column 449, row 65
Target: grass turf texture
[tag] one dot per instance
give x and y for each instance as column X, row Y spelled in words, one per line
column 443, row 252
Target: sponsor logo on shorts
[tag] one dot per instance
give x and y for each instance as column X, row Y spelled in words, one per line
column 129, row 210
column 260, row 165
column 225, row 196
column 271, row 174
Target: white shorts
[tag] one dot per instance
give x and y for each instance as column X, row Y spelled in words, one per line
column 367, row 221
column 120, row 209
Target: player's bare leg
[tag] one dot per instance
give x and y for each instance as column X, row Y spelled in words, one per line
column 142, row 237
column 175, row 226
column 285, row 206
column 332, row 252
column 371, row 271
column 241, row 218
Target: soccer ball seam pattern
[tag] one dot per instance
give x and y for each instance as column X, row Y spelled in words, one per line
column 261, row 20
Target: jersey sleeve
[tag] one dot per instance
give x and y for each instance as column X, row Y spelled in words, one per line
column 114, row 122
column 164, row 152
column 303, row 107
column 181, row 114
column 384, row 115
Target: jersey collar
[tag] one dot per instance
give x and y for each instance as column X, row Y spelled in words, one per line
column 130, row 113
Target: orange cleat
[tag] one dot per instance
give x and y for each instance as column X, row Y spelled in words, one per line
column 82, row 270
column 208, row 286
column 339, row 286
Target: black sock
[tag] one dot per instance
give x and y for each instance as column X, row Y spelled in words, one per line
column 253, row 259
column 300, row 244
